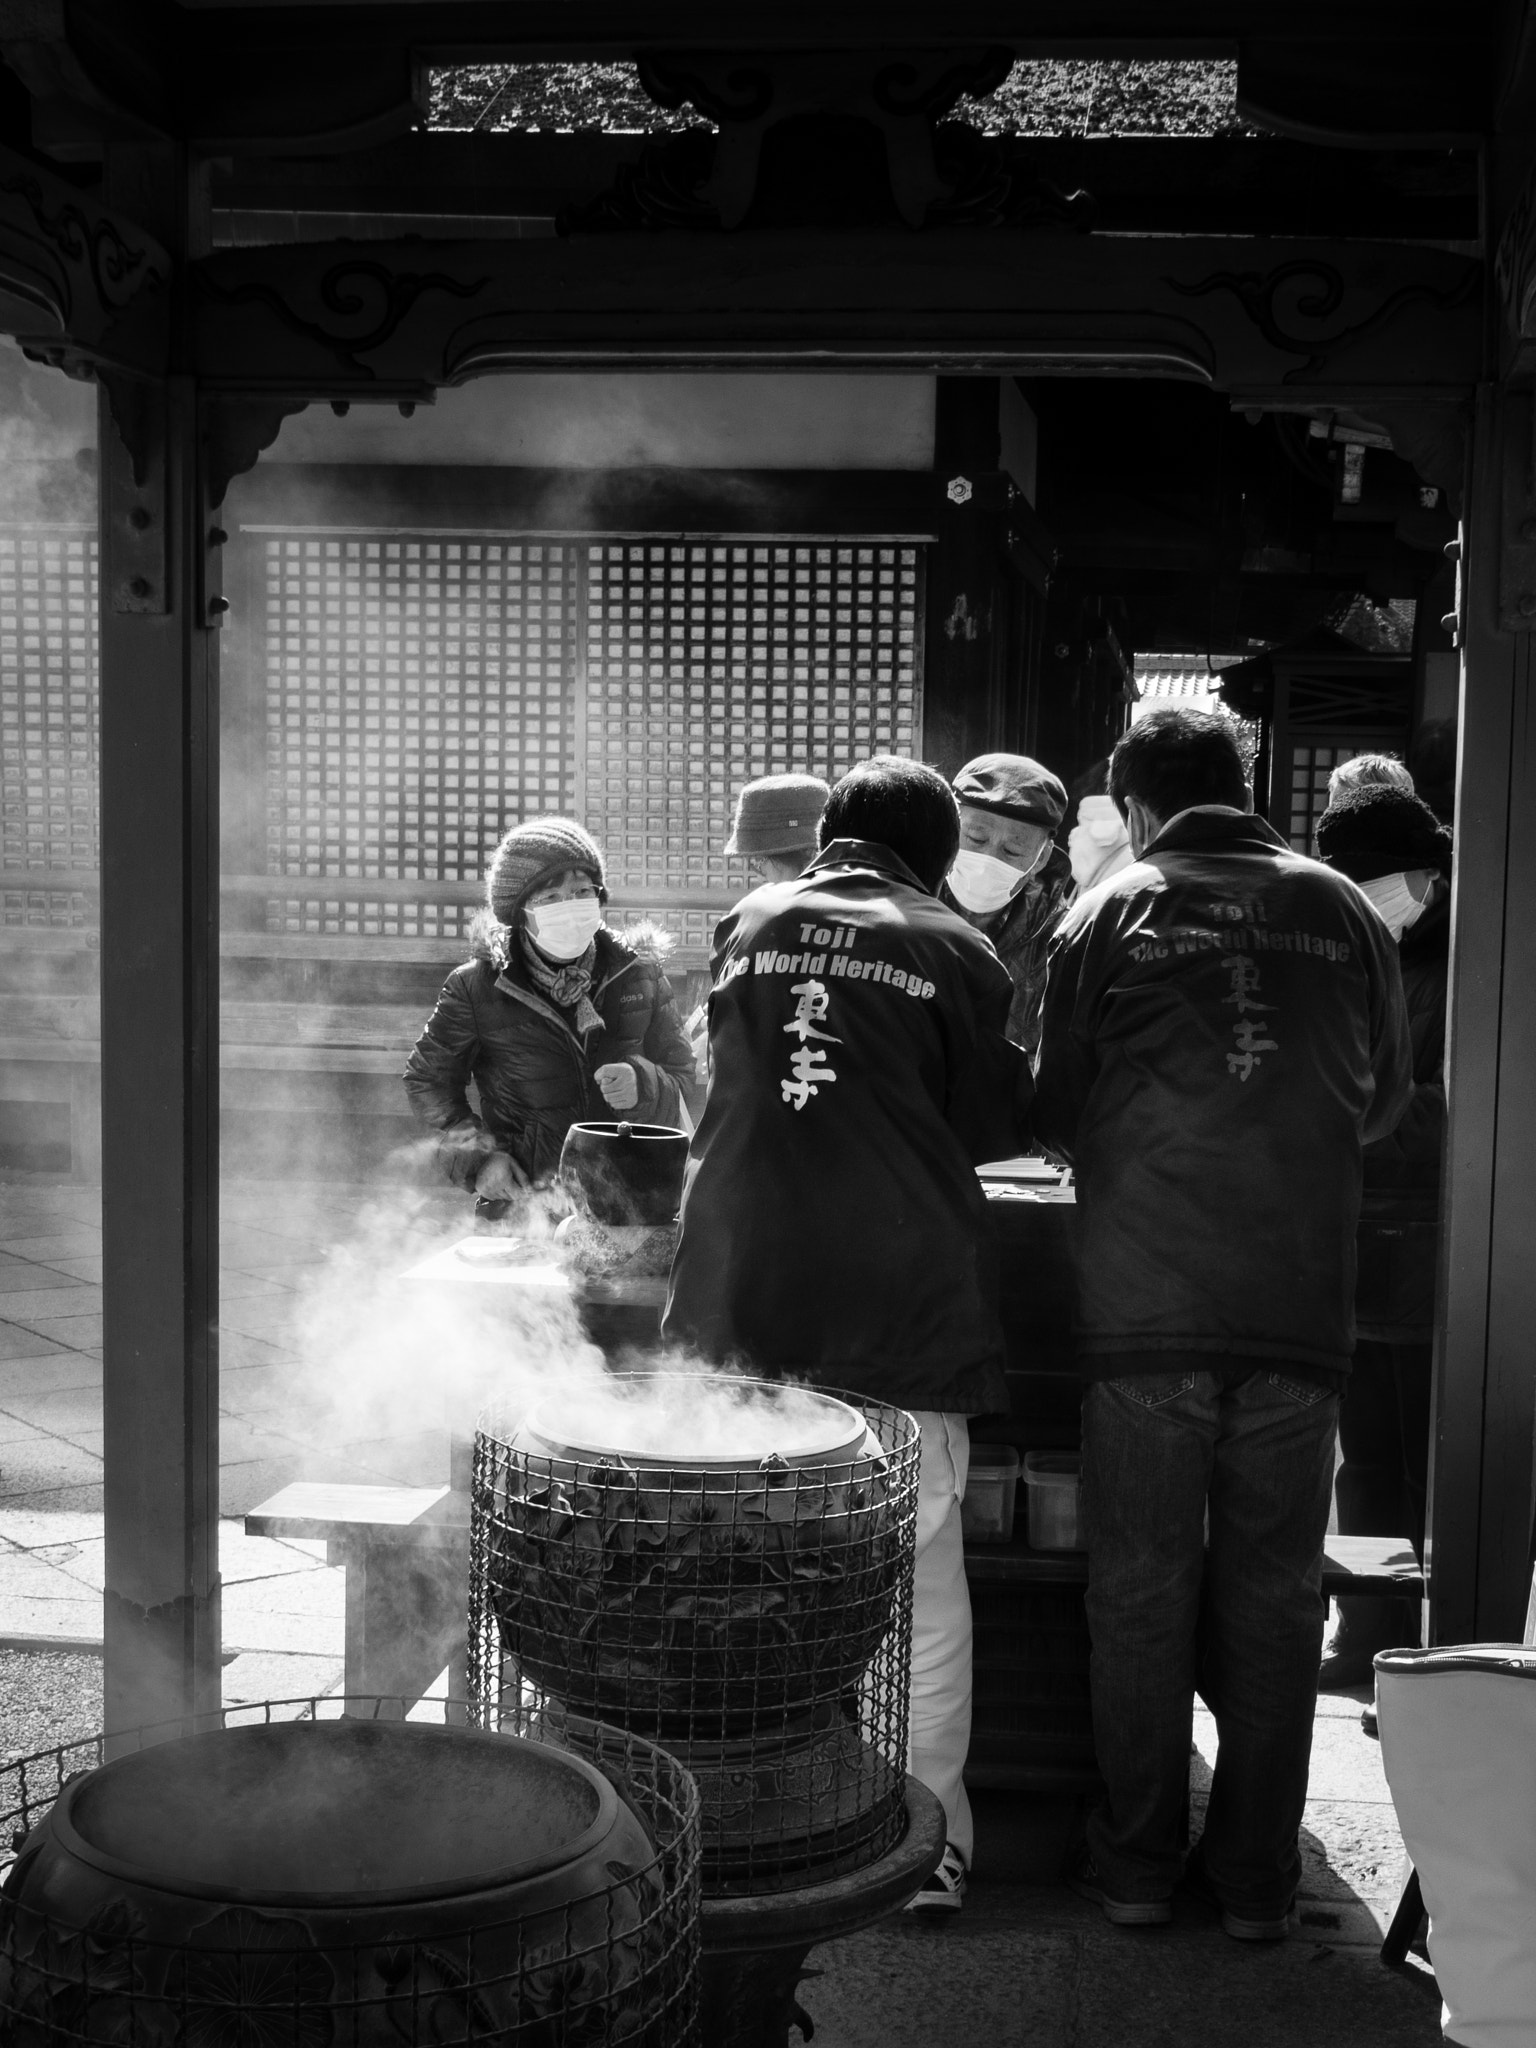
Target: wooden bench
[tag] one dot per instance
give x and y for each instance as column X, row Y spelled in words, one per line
column 405, row 1552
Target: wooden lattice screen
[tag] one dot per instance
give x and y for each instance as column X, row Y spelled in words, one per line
column 424, row 692
column 708, row 663
column 420, row 698
column 49, row 698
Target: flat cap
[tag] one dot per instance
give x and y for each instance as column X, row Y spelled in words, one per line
column 1014, row 787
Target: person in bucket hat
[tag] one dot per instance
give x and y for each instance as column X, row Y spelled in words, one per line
column 775, row 827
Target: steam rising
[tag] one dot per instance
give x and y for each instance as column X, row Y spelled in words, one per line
column 393, row 1357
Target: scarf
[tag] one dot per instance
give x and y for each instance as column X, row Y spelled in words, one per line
column 567, row 986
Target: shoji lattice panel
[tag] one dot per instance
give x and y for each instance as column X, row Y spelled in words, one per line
column 420, row 699
column 1311, row 767
column 709, row 663
column 48, row 718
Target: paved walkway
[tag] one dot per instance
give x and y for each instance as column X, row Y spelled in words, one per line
column 282, row 1604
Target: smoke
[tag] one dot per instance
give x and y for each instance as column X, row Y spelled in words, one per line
column 411, row 1328
column 691, row 1410
column 391, row 1355
column 47, row 444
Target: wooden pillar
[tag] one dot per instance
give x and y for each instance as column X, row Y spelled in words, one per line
column 1485, row 1396
column 159, row 1030
column 985, row 580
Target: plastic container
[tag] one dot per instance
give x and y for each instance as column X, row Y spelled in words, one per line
column 1051, row 1479
column 986, row 1513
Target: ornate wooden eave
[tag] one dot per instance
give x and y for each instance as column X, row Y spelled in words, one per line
column 80, row 287
column 1285, row 321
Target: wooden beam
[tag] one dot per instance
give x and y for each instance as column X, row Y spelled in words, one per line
column 1146, row 184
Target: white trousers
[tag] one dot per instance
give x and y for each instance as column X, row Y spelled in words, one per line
column 941, row 1625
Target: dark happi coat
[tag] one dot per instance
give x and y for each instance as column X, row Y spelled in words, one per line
column 833, row 1224
column 531, row 1069
column 1224, row 1032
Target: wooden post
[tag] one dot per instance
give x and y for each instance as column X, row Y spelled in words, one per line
column 159, row 1015
column 1485, row 1397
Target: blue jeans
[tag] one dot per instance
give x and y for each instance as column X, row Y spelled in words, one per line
column 1237, row 1615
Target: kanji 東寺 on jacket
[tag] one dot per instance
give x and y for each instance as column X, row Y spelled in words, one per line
column 1224, row 1033
column 833, row 1224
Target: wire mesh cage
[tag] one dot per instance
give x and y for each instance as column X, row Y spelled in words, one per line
column 753, row 1616
column 193, row 1945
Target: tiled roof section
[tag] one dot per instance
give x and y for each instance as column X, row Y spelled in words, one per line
column 1039, row 97
column 1178, row 678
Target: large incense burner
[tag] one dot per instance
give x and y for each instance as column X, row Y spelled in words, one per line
column 725, row 1566
column 371, row 1881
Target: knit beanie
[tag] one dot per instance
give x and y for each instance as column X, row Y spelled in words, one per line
column 534, row 852
column 1375, row 829
column 1013, row 786
column 778, row 814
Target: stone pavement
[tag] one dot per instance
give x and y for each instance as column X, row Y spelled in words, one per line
column 282, row 1604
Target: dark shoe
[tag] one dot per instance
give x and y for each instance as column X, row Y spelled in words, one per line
column 1343, row 1669
column 1083, row 1877
column 1241, row 1926
column 945, row 1890
column 1368, row 1722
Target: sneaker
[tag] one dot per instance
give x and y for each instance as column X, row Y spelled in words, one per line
column 1368, row 1722
column 945, row 1890
column 1083, row 1876
column 1239, row 1926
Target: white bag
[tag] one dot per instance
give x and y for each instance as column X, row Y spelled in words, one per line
column 1458, row 1739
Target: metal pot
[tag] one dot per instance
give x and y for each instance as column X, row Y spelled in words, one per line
column 294, row 1882
column 623, row 1173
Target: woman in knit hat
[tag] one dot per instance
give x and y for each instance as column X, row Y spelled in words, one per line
column 1393, row 845
column 555, row 1019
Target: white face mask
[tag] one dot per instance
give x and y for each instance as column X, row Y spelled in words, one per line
column 1395, row 903
column 981, row 882
column 1098, row 833
column 564, row 930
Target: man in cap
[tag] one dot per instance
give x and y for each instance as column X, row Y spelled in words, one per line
column 1008, row 880
column 1393, row 845
column 775, row 828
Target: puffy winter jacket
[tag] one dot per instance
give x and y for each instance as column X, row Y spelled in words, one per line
column 533, row 1073
column 833, row 1224
column 1224, row 1032
column 1021, row 934
column 1399, row 1231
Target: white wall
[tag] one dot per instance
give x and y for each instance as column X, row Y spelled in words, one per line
column 599, row 421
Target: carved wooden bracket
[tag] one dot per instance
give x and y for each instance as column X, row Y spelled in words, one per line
column 79, row 286
column 235, row 431
column 842, row 139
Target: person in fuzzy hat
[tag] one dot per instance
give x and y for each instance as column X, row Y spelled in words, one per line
column 1392, row 844
column 555, row 1019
